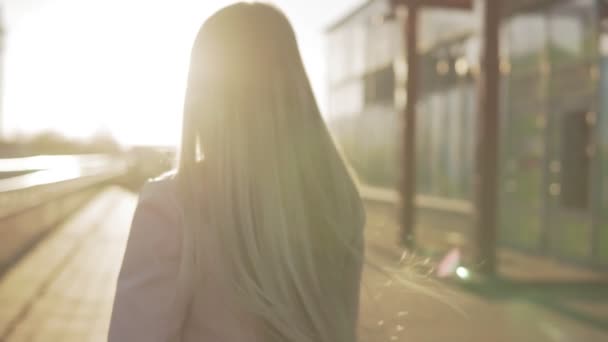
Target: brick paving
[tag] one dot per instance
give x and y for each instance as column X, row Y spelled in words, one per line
column 63, row 289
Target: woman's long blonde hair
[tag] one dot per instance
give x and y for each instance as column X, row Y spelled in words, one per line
column 288, row 215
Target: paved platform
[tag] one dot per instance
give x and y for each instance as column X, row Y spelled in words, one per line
column 63, row 290
column 429, row 310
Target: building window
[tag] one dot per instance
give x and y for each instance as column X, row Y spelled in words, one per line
column 572, row 31
column 380, row 86
column 575, row 161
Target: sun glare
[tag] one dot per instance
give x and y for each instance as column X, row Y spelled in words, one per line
column 78, row 67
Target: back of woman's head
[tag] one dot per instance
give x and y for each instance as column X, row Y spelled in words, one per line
column 287, row 213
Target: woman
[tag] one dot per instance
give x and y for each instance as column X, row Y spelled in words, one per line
column 258, row 236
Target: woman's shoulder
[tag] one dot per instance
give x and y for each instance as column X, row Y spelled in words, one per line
column 160, row 188
column 157, row 218
column 160, row 194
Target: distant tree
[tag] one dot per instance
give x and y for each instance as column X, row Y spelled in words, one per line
column 53, row 143
column 103, row 142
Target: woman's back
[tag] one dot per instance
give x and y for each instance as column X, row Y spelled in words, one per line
column 150, row 305
column 262, row 240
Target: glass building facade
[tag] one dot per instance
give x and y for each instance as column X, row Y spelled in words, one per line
column 362, row 78
column 553, row 122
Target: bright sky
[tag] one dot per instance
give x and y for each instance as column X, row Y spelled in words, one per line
column 80, row 66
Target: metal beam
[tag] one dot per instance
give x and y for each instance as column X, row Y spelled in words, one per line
column 486, row 191
column 456, row 4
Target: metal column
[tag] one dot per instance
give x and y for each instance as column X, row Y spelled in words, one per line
column 408, row 181
column 487, row 147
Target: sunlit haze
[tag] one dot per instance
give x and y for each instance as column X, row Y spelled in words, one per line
column 80, row 67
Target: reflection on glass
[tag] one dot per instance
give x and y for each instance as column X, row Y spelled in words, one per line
column 527, row 39
column 570, row 30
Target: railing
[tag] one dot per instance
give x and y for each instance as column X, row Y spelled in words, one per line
column 47, row 191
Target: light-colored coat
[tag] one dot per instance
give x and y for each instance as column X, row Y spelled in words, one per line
column 150, row 305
